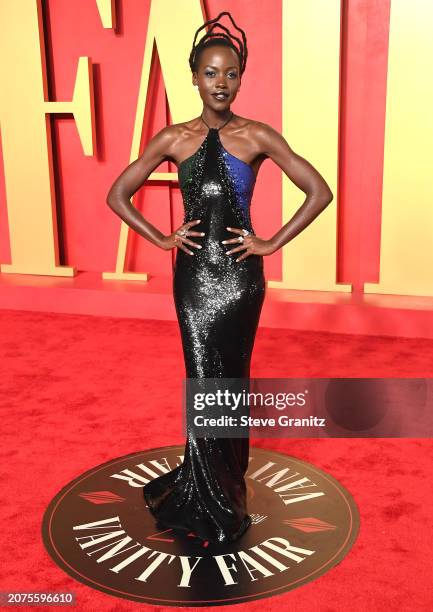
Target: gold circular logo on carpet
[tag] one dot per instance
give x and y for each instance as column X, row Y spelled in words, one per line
column 99, row 531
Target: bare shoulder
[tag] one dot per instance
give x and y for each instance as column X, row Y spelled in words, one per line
column 269, row 142
column 175, row 138
column 262, row 138
column 164, row 141
column 266, row 137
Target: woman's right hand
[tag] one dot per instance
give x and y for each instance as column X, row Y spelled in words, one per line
column 179, row 238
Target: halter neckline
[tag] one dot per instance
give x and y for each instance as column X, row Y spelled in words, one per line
column 213, row 135
column 221, row 127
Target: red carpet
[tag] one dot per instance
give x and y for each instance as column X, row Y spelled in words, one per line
column 80, row 390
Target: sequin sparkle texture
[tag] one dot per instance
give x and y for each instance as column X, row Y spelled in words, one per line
column 218, row 304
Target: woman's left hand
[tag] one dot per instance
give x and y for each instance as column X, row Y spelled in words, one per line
column 252, row 245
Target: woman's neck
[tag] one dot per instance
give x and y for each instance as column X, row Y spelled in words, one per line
column 215, row 119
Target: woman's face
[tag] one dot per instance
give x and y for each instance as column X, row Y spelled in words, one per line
column 218, row 71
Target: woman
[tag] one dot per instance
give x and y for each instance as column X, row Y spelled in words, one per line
column 218, row 291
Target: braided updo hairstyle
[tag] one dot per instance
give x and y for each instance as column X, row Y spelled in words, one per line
column 218, row 38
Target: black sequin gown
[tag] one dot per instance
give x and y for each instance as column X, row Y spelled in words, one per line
column 218, row 303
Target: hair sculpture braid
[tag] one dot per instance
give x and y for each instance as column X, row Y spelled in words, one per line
column 218, row 38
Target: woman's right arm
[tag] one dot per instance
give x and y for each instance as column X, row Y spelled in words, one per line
column 132, row 178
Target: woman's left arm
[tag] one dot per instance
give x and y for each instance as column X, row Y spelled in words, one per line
column 270, row 143
column 303, row 175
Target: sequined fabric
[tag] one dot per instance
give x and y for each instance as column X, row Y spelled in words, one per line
column 218, row 303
